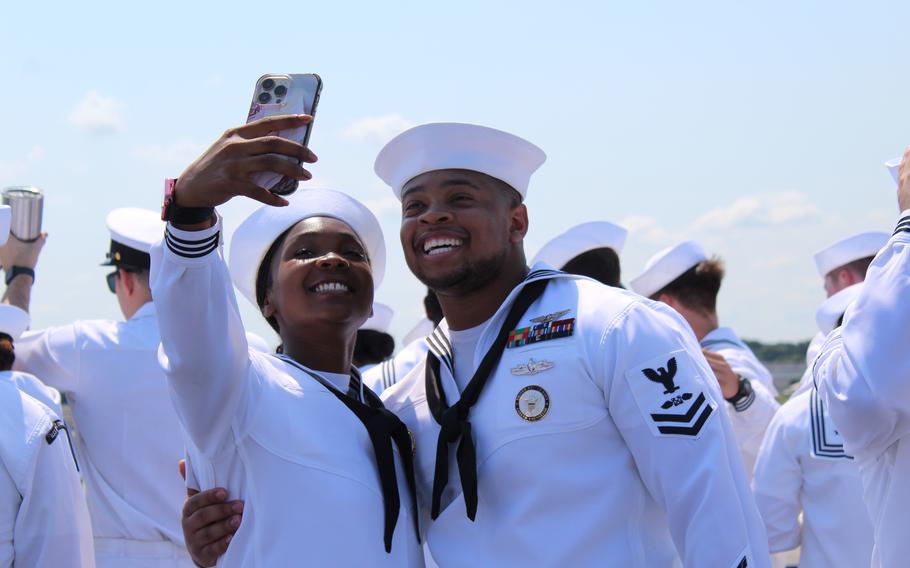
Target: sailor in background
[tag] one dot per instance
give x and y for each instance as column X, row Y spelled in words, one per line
column 863, row 373
column 686, row 279
column 568, row 452
column 804, row 473
column 129, row 438
column 589, row 249
column 841, row 264
column 374, row 344
column 44, row 519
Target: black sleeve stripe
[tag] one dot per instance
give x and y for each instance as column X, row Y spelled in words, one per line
column 745, row 403
column 183, row 244
column 903, row 226
column 206, row 240
column 198, row 249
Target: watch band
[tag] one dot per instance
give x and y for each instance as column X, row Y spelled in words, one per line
column 14, row 271
column 744, row 396
column 175, row 214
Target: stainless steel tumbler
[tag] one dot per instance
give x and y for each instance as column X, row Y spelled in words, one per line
column 27, row 205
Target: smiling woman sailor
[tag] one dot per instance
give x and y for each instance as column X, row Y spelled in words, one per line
column 296, row 436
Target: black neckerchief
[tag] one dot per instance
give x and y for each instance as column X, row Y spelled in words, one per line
column 453, row 420
column 383, row 428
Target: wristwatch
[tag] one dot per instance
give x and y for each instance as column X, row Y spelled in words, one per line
column 744, row 397
column 175, row 214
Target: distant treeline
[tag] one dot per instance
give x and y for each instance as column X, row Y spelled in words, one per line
column 779, row 352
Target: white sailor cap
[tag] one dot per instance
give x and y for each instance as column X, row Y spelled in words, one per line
column 894, row 168
column 6, row 215
column 845, row 251
column 13, row 321
column 133, row 232
column 381, row 319
column 832, row 309
column 581, row 239
column 253, row 238
column 666, row 266
column 456, row 146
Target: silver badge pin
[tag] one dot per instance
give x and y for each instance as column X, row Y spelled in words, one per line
column 532, row 367
column 550, row 317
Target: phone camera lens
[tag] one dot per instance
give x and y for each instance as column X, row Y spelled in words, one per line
column 280, row 90
column 268, row 84
column 264, row 98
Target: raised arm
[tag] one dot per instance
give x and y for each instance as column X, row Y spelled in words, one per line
column 203, row 345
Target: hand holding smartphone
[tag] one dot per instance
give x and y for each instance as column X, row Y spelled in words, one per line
column 277, row 94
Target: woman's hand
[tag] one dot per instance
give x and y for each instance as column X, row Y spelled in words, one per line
column 225, row 169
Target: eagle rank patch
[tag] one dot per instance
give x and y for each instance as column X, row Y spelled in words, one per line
column 670, row 395
column 532, row 403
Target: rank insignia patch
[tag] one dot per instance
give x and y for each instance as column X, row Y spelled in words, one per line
column 541, row 332
column 532, row 367
column 670, row 394
column 532, row 403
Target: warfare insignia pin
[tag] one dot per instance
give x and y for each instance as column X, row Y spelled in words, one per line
column 532, row 403
column 532, row 367
column 550, row 317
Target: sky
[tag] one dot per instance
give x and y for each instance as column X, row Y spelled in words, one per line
column 759, row 129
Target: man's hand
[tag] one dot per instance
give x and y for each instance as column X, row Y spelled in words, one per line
column 209, row 523
column 903, row 188
column 21, row 253
column 729, row 381
column 225, row 169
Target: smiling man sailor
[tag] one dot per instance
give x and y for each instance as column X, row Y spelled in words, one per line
column 559, row 422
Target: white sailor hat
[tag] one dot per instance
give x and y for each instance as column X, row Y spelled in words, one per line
column 381, row 319
column 456, row 146
column 832, row 309
column 133, row 232
column 13, row 321
column 253, row 238
column 894, row 168
column 581, row 239
column 845, row 251
column 6, row 215
column 666, row 266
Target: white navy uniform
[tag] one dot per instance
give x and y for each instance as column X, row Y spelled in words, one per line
column 863, row 371
column 803, row 468
column 43, row 516
column 32, row 386
column 266, row 430
column 581, row 458
column 382, row 376
column 750, row 416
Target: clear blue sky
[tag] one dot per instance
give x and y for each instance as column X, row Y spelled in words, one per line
column 758, row 128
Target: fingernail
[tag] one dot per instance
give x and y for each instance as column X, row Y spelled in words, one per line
column 221, row 494
column 237, row 507
column 235, row 522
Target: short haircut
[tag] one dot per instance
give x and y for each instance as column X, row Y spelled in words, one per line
column 858, row 267
column 7, row 352
column 601, row 264
column 372, row 347
column 697, row 287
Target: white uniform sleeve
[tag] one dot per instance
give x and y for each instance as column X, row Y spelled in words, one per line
column 203, row 345
column 776, row 484
column 53, row 526
column 51, row 354
column 660, row 394
column 864, row 367
column 750, row 418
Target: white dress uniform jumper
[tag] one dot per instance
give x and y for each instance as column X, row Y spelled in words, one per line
column 863, row 371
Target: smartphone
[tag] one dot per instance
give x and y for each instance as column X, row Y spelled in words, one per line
column 277, row 94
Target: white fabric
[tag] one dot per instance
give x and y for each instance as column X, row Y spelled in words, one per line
column 894, row 168
column 13, row 320
column 845, row 251
column 268, row 432
column 589, row 483
column 751, row 422
column 254, row 236
column 864, row 370
column 129, row 438
column 450, row 145
column 258, row 343
column 791, row 477
column 43, row 517
column 32, row 386
column 380, row 377
column 135, row 228
column 464, row 345
column 580, row 239
column 806, row 382
column 666, row 266
column 381, row 320
column 6, row 218
column 119, row 552
column 833, row 308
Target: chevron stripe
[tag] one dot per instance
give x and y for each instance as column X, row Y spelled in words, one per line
column 684, row 418
column 688, row 430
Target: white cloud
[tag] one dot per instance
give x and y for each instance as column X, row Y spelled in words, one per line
column 98, row 114
column 12, row 171
column 179, row 153
column 648, row 228
column 377, row 128
column 767, row 210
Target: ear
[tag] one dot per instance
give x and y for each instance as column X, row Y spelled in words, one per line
column 268, row 308
column 666, row 299
column 518, row 223
column 128, row 281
